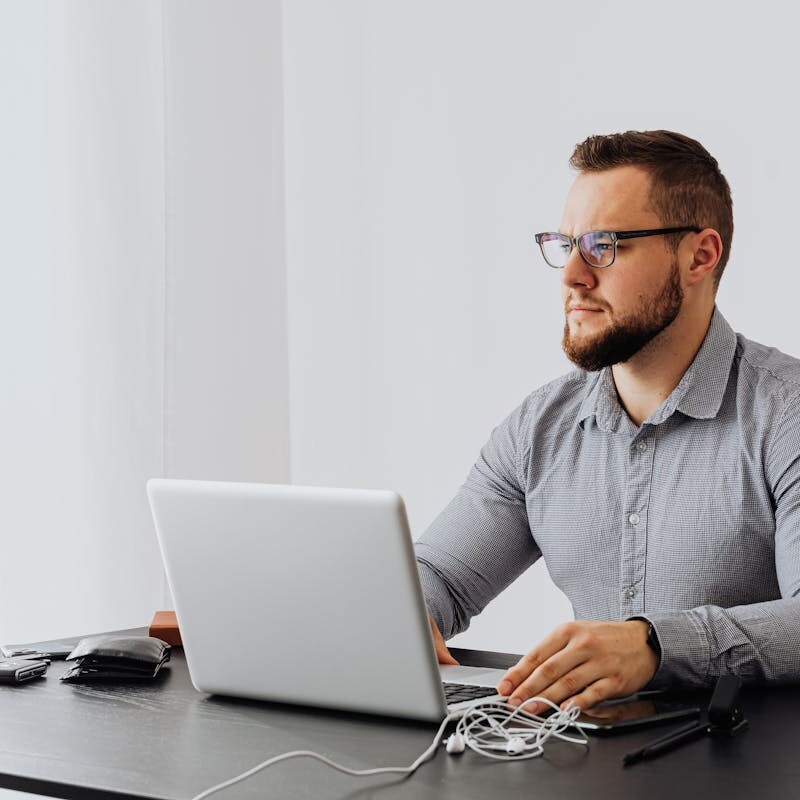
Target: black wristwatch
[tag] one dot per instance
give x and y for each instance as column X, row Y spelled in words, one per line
column 652, row 640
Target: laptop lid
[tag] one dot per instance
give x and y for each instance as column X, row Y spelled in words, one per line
column 298, row 594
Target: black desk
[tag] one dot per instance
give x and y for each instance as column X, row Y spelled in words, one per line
column 166, row 740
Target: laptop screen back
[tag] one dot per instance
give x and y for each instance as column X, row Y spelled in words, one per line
column 299, row 595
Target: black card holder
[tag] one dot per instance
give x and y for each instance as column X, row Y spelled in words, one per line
column 117, row 657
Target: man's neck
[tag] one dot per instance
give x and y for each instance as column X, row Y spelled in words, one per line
column 645, row 381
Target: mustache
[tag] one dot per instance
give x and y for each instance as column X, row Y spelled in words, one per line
column 583, row 300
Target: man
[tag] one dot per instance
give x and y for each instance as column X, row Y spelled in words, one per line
column 661, row 480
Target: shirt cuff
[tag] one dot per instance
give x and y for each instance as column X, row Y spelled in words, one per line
column 685, row 651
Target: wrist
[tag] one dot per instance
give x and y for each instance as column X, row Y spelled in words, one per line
column 651, row 643
column 652, row 640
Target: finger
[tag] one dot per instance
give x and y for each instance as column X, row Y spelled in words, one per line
column 568, row 684
column 594, row 693
column 553, row 669
column 549, row 646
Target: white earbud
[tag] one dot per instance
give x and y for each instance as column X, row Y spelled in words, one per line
column 455, row 743
column 515, row 746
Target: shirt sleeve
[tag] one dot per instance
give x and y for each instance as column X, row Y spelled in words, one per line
column 759, row 642
column 481, row 541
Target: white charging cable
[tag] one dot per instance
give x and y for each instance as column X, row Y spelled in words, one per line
column 484, row 728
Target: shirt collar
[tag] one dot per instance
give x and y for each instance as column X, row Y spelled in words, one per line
column 699, row 392
column 601, row 401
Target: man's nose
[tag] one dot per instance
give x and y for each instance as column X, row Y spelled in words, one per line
column 577, row 272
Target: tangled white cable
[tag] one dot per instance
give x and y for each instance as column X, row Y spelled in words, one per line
column 491, row 730
column 485, row 728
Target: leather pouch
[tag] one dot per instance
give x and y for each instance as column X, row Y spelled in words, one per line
column 117, row 657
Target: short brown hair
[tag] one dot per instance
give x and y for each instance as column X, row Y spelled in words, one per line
column 688, row 187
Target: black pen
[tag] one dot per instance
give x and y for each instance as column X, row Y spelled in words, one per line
column 686, row 734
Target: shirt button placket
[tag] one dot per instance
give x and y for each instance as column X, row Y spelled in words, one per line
column 634, row 540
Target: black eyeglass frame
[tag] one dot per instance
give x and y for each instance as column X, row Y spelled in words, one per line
column 616, row 236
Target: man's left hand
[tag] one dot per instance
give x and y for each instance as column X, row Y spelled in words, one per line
column 584, row 662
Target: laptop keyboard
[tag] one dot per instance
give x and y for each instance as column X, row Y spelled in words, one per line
column 460, row 692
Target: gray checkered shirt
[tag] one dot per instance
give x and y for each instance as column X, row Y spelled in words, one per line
column 691, row 521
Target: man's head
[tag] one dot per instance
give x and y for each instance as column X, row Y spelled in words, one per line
column 687, row 186
column 642, row 182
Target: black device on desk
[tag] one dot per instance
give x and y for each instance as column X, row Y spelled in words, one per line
column 44, row 650
column 629, row 715
column 19, row 670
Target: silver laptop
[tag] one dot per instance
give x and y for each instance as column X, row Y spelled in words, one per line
column 303, row 595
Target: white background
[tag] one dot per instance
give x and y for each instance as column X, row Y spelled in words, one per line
column 81, row 312
column 143, row 298
column 273, row 241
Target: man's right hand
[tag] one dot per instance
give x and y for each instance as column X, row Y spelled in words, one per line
column 442, row 653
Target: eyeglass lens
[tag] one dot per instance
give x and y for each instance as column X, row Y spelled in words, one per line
column 596, row 247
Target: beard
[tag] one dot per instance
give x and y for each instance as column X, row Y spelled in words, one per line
column 629, row 335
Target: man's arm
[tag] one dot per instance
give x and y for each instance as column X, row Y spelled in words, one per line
column 758, row 642
column 587, row 662
column 761, row 641
column 481, row 541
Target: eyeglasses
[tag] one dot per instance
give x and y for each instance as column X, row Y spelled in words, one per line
column 597, row 248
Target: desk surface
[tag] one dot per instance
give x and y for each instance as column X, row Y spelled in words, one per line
column 166, row 740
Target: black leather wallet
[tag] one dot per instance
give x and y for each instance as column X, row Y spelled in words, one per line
column 117, row 657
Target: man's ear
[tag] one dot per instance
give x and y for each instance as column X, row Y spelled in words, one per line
column 706, row 253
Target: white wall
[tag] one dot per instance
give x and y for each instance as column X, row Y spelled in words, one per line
column 326, row 222
column 227, row 402
column 143, row 303
column 81, row 255
column 426, row 143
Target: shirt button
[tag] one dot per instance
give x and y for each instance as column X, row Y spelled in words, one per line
column 630, row 593
column 641, row 447
column 634, row 519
